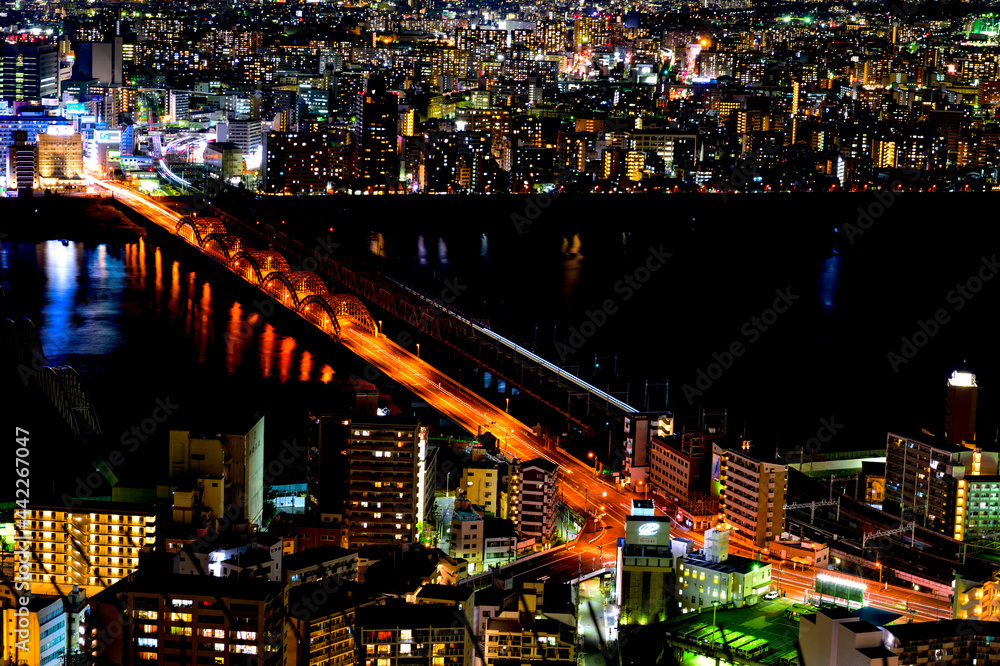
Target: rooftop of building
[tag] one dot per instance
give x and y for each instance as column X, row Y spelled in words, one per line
column 404, row 572
column 313, row 557
column 877, row 652
column 540, row 463
column 215, row 541
column 97, row 506
column 252, row 558
column 991, row 478
column 861, row 627
column 918, row 633
column 452, row 593
column 176, row 585
column 465, row 515
column 498, row 528
column 325, row 598
column 755, row 453
column 541, row 626
column 483, row 464
column 383, row 422
column 932, row 441
column 733, row 564
column 399, row 614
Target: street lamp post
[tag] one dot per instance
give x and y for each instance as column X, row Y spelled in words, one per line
column 715, row 607
column 418, row 350
column 507, row 408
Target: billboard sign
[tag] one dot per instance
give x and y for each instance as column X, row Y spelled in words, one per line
column 108, row 136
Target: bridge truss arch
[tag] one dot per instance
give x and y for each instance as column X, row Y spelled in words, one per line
column 257, row 265
column 224, row 246
column 197, row 229
column 331, row 311
column 293, row 287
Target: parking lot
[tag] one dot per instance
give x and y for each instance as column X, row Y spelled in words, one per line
column 764, row 620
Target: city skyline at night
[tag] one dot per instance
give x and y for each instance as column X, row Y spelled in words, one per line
column 492, row 334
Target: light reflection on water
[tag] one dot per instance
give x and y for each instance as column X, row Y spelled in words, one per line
column 92, row 294
column 572, row 264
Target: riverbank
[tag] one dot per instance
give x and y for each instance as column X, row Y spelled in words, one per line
column 68, row 218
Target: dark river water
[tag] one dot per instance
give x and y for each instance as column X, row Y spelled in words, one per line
column 814, row 314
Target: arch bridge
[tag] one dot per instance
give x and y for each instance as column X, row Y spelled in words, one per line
column 301, row 291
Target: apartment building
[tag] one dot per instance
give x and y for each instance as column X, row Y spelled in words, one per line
column 537, row 499
column 90, row 547
column 481, row 483
column 390, row 482
column 320, row 622
column 752, row 494
column 639, row 429
column 929, row 483
column 679, row 469
column 176, row 619
column 430, row 634
column 53, row 625
column 534, row 624
column 467, row 533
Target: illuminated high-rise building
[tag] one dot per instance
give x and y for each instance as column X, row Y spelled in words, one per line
column 28, row 72
column 390, row 486
column 928, row 483
column 645, row 566
column 752, row 496
column 298, row 162
column 375, row 135
column 60, row 156
column 960, row 414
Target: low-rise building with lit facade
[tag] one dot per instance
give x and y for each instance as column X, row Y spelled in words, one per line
column 713, row 577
